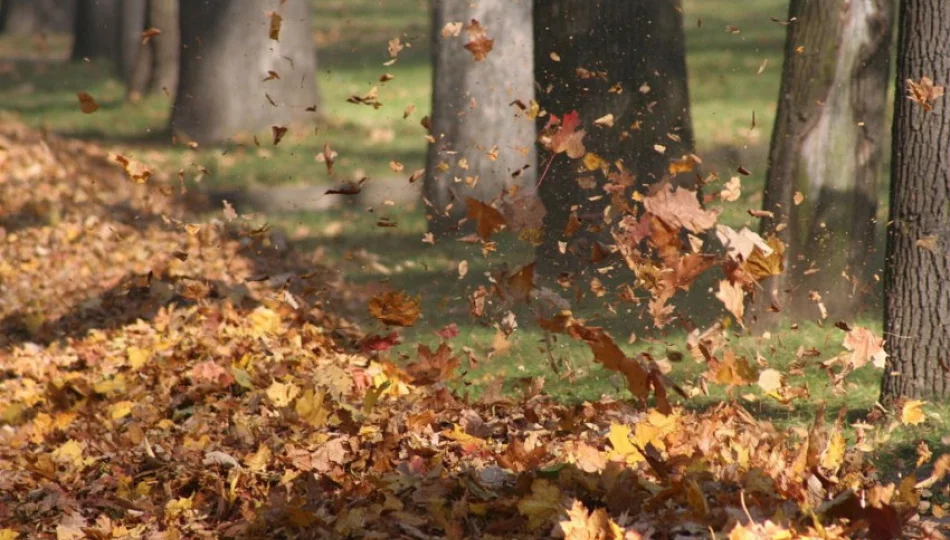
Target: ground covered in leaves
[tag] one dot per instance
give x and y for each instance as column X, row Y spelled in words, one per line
column 169, row 376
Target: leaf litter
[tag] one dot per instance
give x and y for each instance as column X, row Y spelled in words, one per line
column 164, row 380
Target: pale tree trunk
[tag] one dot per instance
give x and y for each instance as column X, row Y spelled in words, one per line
column 109, row 29
column 25, row 17
column 479, row 130
column 827, row 144
column 639, row 49
column 917, row 275
column 226, row 55
column 156, row 66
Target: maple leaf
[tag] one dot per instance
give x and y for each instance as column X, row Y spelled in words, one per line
column 478, row 42
column 583, row 525
column 680, row 208
column 395, row 308
column 377, row 343
column 568, row 139
column 487, row 219
column 924, row 93
column 865, row 347
column 732, row 297
column 87, row 104
column 433, row 367
column 912, row 412
column 543, row 503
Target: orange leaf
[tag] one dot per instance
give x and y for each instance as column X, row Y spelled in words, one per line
column 87, row 104
column 479, row 44
column 395, row 308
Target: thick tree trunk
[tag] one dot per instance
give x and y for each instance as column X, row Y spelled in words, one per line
column 473, row 111
column 917, row 275
column 25, row 17
column 635, row 62
column 109, row 29
column 225, row 58
column 827, row 144
column 156, row 66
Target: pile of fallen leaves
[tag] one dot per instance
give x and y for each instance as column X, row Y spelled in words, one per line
column 167, row 377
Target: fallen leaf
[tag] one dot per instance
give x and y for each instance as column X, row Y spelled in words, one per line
column 395, row 308
column 478, row 42
column 87, row 104
column 912, row 413
column 281, row 394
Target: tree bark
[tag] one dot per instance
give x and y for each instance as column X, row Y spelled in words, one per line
column 156, row 66
column 827, row 144
column 109, row 29
column 226, row 54
column 473, row 111
column 917, row 274
column 635, row 61
column 25, row 17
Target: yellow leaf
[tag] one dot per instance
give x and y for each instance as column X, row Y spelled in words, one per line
column 282, row 394
column 120, row 409
column 113, row 386
column 264, row 321
column 258, row 461
column 9, row 534
column 913, row 413
column 310, row 408
column 833, row 456
column 137, row 357
column 543, row 503
column 69, row 452
column 619, row 438
column 593, row 162
column 175, row 507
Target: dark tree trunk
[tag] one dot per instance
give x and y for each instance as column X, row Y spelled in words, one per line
column 828, row 144
column 156, row 66
column 472, row 110
column 917, row 275
column 634, row 54
column 24, row 17
column 226, row 55
column 109, row 29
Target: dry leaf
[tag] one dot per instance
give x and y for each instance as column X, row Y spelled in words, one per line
column 87, row 104
column 924, row 93
column 912, row 413
column 487, row 219
column 275, row 22
column 478, row 42
column 733, row 298
column 680, row 208
column 148, row 34
column 395, row 308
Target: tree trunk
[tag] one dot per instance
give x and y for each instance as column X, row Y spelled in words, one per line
column 109, row 29
column 473, row 111
column 156, row 66
column 827, row 144
column 917, row 274
column 635, row 61
column 226, row 54
column 25, row 17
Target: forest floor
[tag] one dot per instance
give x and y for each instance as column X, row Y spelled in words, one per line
column 732, row 75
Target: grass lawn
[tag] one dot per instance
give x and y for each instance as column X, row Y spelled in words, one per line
column 732, row 76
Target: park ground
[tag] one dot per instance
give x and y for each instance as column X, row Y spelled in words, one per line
column 734, row 60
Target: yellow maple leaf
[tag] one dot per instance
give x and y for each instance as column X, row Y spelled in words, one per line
column 833, row 456
column 175, row 507
column 311, row 408
column 69, row 452
column 121, row 409
column 264, row 321
column 9, row 534
column 913, row 413
column 137, row 357
column 619, row 437
column 542, row 504
column 258, row 461
column 282, row 394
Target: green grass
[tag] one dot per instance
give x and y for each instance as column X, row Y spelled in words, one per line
column 352, row 35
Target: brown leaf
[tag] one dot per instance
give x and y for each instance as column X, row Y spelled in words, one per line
column 733, row 298
column 395, row 308
column 148, row 34
column 278, row 132
column 87, row 104
column 479, row 44
column 924, row 93
column 865, row 347
column 487, row 219
column 680, row 208
column 432, row 367
column 275, row 22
